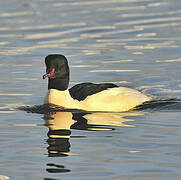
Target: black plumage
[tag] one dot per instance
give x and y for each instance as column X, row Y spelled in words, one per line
column 81, row 91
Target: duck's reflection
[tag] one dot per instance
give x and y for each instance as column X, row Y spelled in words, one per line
column 61, row 123
column 59, row 133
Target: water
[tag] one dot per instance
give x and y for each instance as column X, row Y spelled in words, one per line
column 132, row 43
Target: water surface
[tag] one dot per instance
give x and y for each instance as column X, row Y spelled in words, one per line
column 132, row 43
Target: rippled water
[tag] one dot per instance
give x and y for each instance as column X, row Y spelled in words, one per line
column 132, row 43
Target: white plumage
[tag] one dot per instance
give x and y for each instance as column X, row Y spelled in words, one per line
column 117, row 99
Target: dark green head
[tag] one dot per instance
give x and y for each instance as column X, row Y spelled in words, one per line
column 57, row 71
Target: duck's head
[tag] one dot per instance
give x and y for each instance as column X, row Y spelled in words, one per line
column 57, row 72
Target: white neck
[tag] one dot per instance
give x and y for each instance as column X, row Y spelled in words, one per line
column 61, row 98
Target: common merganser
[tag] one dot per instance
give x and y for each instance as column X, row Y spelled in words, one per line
column 86, row 96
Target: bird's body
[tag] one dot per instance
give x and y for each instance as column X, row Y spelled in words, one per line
column 112, row 100
column 88, row 96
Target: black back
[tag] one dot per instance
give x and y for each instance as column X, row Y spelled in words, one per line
column 81, row 91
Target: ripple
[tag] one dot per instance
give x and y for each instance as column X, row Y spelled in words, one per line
column 95, row 3
column 161, row 104
column 14, row 94
column 115, row 70
column 146, row 35
column 9, row 108
column 60, row 42
column 147, row 21
column 166, row 44
column 118, row 9
column 2, row 177
column 83, row 66
column 60, row 33
column 16, row 65
column 170, row 60
column 42, row 27
column 118, row 61
column 10, row 36
column 15, row 14
column 20, row 125
column 26, row 79
column 157, row 4
column 4, row 43
column 156, row 14
column 18, row 72
column 7, row 112
column 163, row 25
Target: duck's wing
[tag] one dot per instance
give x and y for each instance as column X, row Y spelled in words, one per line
column 81, row 91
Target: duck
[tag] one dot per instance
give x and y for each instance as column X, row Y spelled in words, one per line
column 103, row 97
